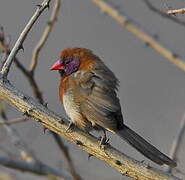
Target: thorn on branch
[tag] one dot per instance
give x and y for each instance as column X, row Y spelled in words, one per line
column 30, row 110
column 61, row 121
column 147, row 44
column 118, row 162
column 126, row 22
column 89, row 156
column 79, row 143
column 21, row 47
column 27, row 113
column 156, row 36
column 39, row 6
column 48, row 5
column 24, row 97
column 45, row 129
column 175, row 55
column 126, row 173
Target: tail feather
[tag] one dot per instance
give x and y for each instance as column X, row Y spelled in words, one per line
column 144, row 147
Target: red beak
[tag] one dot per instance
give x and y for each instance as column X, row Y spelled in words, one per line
column 57, row 66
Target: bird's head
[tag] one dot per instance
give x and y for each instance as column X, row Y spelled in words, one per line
column 72, row 60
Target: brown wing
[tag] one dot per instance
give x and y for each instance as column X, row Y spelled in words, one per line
column 96, row 94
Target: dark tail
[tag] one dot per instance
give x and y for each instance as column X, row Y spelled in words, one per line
column 144, row 147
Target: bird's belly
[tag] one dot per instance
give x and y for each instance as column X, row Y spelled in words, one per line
column 72, row 109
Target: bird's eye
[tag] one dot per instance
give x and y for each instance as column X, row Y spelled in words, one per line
column 67, row 62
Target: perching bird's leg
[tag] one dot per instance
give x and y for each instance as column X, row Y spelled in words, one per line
column 104, row 140
column 70, row 127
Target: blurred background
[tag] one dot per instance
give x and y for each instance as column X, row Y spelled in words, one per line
column 152, row 90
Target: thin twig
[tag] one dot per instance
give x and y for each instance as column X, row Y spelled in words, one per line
column 138, row 32
column 19, row 43
column 25, row 153
column 29, row 160
column 44, row 36
column 121, row 162
column 163, row 14
column 31, row 79
column 32, row 68
column 14, row 121
column 174, row 151
column 3, row 47
column 65, row 152
column 176, row 11
column 32, row 167
column 30, row 76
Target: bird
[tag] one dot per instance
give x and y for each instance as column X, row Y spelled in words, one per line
column 88, row 92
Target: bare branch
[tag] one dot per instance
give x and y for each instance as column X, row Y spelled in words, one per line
column 32, row 167
column 45, row 36
column 20, row 40
column 176, row 11
column 163, row 14
column 13, row 121
column 177, row 142
column 30, row 76
column 138, row 32
column 25, row 153
column 90, row 144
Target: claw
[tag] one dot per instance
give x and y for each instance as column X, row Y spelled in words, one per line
column 70, row 127
column 104, row 141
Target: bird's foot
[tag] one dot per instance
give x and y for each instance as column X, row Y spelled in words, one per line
column 104, row 141
column 70, row 127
